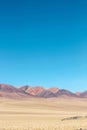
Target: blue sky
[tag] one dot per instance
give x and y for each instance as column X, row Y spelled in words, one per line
column 44, row 43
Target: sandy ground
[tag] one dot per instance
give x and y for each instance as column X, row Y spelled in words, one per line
column 43, row 114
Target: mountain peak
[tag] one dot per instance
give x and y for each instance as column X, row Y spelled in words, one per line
column 37, row 91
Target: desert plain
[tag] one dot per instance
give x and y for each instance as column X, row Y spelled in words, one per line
column 43, row 114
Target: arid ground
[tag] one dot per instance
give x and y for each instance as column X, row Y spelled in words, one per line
column 43, row 114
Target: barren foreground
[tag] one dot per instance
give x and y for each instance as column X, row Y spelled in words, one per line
column 43, row 114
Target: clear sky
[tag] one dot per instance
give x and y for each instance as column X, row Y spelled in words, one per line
column 44, row 42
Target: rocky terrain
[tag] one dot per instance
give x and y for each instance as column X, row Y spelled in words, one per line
column 10, row 91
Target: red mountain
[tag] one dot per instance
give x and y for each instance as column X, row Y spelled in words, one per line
column 9, row 91
column 53, row 90
column 32, row 90
column 47, row 93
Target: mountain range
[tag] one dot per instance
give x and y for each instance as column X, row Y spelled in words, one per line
column 9, row 91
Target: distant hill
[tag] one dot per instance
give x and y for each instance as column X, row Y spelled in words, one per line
column 9, row 91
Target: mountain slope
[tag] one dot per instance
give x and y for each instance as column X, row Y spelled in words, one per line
column 63, row 92
column 9, row 91
column 8, row 88
column 83, row 94
column 47, row 93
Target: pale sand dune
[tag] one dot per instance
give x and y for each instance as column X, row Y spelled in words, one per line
column 42, row 114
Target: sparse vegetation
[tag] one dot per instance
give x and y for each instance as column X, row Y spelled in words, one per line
column 73, row 118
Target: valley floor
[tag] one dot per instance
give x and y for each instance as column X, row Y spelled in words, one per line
column 43, row 114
